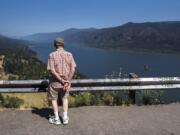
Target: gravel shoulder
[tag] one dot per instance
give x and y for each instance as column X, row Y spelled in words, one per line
column 98, row 120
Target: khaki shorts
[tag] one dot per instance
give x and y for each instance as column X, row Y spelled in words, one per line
column 54, row 92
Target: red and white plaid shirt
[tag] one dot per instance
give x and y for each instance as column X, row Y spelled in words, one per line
column 62, row 62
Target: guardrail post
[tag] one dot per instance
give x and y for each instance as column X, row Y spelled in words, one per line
column 132, row 93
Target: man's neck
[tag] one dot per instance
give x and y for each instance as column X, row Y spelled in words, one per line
column 60, row 48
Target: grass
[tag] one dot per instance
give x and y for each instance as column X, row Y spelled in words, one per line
column 38, row 100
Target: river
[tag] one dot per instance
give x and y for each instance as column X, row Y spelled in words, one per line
column 99, row 63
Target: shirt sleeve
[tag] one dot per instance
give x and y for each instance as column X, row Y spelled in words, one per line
column 73, row 63
column 50, row 64
column 72, row 67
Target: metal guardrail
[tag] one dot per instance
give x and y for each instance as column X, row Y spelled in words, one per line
column 131, row 84
column 125, row 84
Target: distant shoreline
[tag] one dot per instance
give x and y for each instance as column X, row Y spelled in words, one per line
column 138, row 51
column 123, row 50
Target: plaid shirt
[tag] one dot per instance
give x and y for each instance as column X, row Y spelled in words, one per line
column 62, row 62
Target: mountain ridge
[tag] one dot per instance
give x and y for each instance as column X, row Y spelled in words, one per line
column 146, row 36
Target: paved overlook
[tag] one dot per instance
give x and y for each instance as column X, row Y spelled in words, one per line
column 96, row 120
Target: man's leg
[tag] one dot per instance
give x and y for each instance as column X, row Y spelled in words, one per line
column 53, row 95
column 65, row 108
column 55, row 109
column 65, row 104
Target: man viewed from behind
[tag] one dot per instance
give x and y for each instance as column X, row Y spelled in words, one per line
column 62, row 66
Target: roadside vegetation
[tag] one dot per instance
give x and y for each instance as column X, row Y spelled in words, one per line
column 77, row 99
column 19, row 62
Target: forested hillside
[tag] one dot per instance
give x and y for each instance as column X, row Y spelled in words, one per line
column 20, row 61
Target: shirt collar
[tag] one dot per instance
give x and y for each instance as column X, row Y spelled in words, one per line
column 60, row 49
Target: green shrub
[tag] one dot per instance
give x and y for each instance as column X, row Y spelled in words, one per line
column 82, row 99
column 12, row 102
column 94, row 98
column 12, row 77
column 152, row 97
column 117, row 99
column 1, row 100
column 108, row 98
column 127, row 101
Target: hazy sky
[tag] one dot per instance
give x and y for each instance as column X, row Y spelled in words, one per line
column 23, row 17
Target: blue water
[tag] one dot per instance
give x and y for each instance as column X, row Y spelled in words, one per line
column 97, row 63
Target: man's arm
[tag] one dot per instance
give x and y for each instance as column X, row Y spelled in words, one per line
column 72, row 68
column 71, row 73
